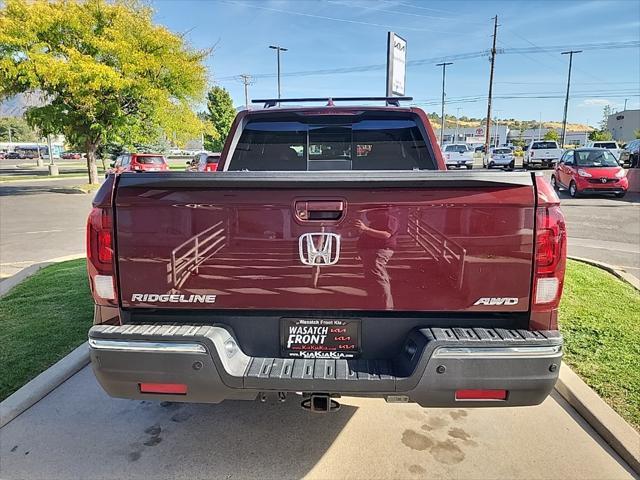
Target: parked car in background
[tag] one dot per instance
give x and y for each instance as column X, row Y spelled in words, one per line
column 71, row 156
column 590, row 170
column 630, row 155
column 204, row 162
column 500, row 157
column 14, row 155
column 612, row 146
column 541, row 153
column 458, row 155
column 139, row 162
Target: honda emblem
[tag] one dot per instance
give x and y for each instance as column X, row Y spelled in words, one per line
column 319, row 248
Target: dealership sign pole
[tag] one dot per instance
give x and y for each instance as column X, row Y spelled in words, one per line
column 396, row 65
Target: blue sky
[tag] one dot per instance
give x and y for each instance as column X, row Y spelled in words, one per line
column 334, row 34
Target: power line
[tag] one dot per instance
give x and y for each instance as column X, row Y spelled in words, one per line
column 454, row 57
column 346, row 20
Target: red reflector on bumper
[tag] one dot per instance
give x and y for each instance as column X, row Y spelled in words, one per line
column 481, row 394
column 168, row 388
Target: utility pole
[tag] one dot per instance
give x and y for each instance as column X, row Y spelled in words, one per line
column 444, row 70
column 540, row 128
column 566, row 98
column 278, row 49
column 457, row 122
column 493, row 61
column 625, row 104
column 10, row 137
column 246, row 80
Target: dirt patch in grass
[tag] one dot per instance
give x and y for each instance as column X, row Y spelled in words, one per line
column 42, row 320
column 600, row 322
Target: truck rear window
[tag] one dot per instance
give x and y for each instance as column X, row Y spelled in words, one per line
column 544, row 145
column 148, row 160
column 456, row 148
column 605, row 145
column 332, row 144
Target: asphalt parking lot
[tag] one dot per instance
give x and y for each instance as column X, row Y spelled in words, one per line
column 39, row 224
column 79, row 432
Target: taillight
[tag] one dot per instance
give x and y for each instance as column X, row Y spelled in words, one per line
column 211, row 167
column 100, row 256
column 550, row 256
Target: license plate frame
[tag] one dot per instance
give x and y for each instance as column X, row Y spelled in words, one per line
column 303, row 338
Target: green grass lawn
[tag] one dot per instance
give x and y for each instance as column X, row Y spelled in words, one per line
column 41, row 320
column 49, row 314
column 600, row 322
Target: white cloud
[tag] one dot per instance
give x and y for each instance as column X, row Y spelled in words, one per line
column 596, row 102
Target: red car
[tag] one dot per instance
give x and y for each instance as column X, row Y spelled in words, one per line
column 139, row 162
column 71, row 156
column 204, row 162
column 590, row 170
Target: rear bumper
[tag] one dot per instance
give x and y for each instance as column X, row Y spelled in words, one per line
column 434, row 364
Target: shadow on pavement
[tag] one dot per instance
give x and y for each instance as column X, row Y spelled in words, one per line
column 94, row 436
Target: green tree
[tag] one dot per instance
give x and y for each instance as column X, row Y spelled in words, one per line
column 552, row 135
column 105, row 71
column 220, row 113
column 600, row 135
column 606, row 111
column 637, row 133
column 19, row 128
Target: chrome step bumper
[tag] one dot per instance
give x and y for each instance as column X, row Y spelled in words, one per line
column 432, row 366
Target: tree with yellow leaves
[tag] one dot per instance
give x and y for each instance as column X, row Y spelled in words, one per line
column 105, row 71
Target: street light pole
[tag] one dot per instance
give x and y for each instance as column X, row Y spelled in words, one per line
column 278, row 49
column 566, row 99
column 444, row 70
column 457, row 122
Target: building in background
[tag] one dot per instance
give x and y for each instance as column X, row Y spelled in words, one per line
column 573, row 137
column 623, row 125
column 474, row 136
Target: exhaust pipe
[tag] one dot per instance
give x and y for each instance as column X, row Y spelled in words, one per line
column 320, row 403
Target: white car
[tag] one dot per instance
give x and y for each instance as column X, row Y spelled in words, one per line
column 542, row 153
column 458, row 155
column 612, row 146
column 500, row 157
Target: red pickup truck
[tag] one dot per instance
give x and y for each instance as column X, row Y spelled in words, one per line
column 330, row 254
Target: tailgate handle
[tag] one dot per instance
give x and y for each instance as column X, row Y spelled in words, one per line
column 320, row 210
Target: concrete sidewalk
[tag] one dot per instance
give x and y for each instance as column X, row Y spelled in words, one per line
column 78, row 432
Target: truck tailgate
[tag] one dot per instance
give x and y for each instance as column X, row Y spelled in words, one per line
column 450, row 242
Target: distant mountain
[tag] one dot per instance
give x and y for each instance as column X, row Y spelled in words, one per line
column 17, row 105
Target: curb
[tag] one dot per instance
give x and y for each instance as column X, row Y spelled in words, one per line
column 621, row 274
column 43, row 384
column 38, row 388
column 614, row 430
column 8, row 283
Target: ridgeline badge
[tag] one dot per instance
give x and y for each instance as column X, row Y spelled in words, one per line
column 172, row 298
